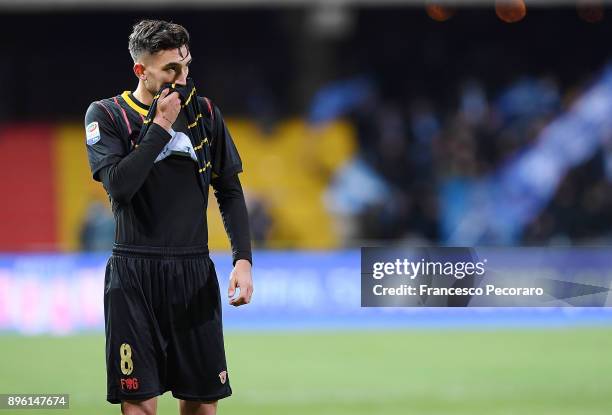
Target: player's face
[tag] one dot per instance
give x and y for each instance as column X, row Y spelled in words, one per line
column 166, row 66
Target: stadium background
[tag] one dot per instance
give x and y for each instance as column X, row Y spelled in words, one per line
column 358, row 125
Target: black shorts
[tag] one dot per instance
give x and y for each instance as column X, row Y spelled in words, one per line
column 162, row 311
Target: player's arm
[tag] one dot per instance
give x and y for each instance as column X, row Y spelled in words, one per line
column 123, row 178
column 229, row 194
column 228, row 191
column 230, row 197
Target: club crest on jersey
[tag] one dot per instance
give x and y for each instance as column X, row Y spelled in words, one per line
column 93, row 133
column 223, row 377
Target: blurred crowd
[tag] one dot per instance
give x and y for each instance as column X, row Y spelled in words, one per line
column 415, row 159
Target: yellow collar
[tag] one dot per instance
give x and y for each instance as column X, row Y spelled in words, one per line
column 134, row 105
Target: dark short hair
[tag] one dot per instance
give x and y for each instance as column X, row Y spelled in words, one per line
column 151, row 36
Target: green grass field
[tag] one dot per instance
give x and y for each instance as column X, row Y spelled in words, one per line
column 521, row 372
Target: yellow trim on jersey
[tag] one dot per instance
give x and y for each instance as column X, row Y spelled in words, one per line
column 132, row 104
column 203, row 169
column 189, row 97
column 193, row 124
column 201, row 144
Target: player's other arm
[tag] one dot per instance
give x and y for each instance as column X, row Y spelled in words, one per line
column 226, row 165
column 229, row 194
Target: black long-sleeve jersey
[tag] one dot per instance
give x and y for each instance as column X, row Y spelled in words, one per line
column 154, row 188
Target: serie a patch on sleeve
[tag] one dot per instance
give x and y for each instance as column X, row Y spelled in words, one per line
column 93, row 133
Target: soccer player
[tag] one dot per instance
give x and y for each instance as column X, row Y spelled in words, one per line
column 162, row 304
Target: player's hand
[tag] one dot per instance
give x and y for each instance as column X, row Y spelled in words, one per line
column 168, row 108
column 241, row 278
